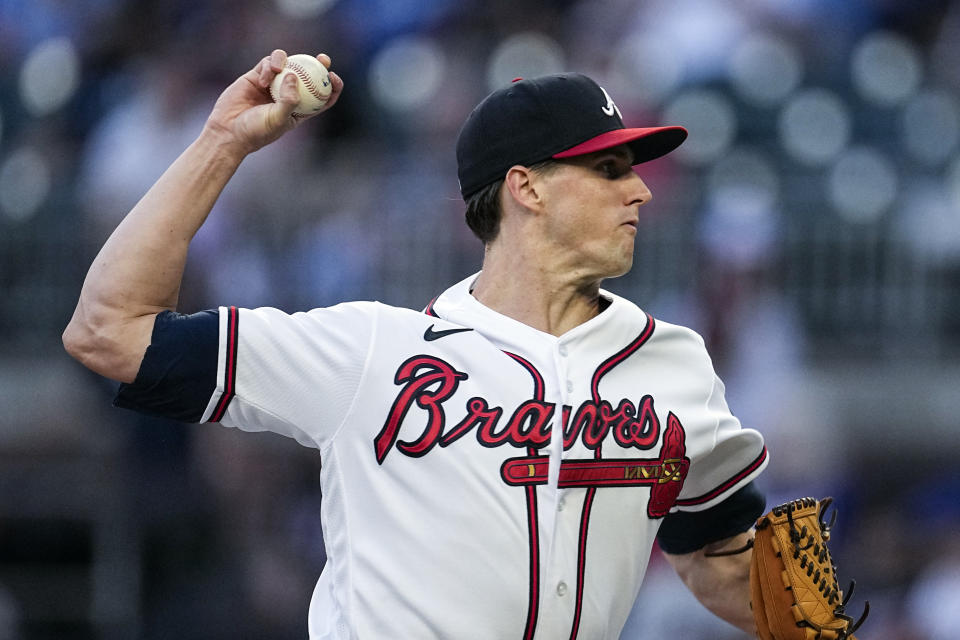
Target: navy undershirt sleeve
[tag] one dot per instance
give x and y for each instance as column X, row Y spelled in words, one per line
column 178, row 374
column 686, row 532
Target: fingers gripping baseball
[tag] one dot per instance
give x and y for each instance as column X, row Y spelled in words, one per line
column 247, row 114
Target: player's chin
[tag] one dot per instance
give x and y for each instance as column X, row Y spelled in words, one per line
column 622, row 263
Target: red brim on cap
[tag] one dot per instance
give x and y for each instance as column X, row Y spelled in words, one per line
column 647, row 143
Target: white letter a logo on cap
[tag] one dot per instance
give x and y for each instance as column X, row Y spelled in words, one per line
column 611, row 107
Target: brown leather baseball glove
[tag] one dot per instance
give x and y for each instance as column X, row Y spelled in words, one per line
column 793, row 582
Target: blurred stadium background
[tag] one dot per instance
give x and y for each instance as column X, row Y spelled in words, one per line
column 809, row 229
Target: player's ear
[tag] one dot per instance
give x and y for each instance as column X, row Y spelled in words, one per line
column 522, row 186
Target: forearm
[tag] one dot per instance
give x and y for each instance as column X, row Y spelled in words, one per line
column 720, row 583
column 138, row 271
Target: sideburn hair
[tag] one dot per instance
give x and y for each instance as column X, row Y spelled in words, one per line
column 483, row 207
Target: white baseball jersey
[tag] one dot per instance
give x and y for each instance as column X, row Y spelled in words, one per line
column 483, row 479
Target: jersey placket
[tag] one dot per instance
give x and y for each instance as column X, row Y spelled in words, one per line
column 560, row 515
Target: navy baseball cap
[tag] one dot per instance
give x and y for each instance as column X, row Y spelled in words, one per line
column 557, row 116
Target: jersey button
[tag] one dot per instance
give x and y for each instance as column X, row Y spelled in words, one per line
column 562, row 588
column 561, row 503
column 563, row 350
column 569, row 387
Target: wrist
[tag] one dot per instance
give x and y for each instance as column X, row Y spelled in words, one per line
column 223, row 144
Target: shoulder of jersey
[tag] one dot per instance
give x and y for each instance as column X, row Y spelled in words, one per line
column 429, row 327
column 400, row 315
column 670, row 331
column 665, row 332
column 681, row 342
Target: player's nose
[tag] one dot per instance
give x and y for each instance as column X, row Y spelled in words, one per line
column 638, row 193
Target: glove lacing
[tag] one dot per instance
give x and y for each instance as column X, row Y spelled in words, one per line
column 827, row 585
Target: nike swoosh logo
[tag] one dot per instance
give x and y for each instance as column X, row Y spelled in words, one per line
column 430, row 335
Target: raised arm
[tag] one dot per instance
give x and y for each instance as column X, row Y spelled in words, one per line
column 138, row 271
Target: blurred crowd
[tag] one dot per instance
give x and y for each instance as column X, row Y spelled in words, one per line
column 809, row 229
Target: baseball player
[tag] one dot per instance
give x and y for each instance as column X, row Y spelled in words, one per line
column 499, row 464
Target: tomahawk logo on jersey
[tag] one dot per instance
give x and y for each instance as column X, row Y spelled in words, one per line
column 482, row 478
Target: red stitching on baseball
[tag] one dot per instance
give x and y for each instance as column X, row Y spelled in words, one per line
column 307, row 80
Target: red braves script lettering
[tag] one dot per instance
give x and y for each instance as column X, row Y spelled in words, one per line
column 427, row 382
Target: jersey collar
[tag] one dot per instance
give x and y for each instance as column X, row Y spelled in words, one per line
column 458, row 305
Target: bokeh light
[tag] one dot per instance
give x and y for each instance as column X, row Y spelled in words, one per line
column 645, row 69
column 930, row 126
column 304, row 8
column 814, row 126
column 745, row 167
column 703, row 32
column 49, row 76
column 393, row 86
column 25, row 182
column 886, row 68
column 765, row 69
column 929, row 220
column 862, row 184
column 710, row 119
column 953, row 183
column 743, row 205
column 524, row 55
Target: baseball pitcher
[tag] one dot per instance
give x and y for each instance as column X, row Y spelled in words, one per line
column 500, row 463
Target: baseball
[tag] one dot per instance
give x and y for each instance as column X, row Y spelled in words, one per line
column 313, row 82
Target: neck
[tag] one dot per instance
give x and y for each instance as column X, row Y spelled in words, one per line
column 536, row 292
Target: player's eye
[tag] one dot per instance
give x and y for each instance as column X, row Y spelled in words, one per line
column 611, row 169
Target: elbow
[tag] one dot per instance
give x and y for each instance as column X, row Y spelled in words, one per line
column 86, row 343
column 99, row 347
column 77, row 340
